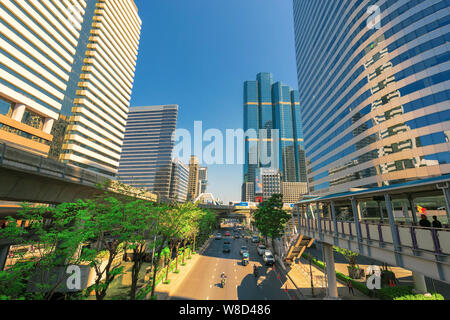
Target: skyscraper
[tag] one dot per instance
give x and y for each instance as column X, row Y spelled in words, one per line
column 193, row 187
column 269, row 106
column 203, row 179
column 66, row 77
column 374, row 90
column 179, row 181
column 146, row 159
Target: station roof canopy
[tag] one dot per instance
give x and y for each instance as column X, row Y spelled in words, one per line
column 424, row 187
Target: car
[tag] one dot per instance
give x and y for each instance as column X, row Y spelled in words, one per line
column 255, row 239
column 243, row 249
column 226, row 248
column 237, row 235
column 268, row 258
column 218, row 236
column 261, row 249
column 227, row 234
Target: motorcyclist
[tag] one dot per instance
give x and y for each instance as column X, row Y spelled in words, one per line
column 223, row 278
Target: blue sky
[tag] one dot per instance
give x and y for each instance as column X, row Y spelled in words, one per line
column 198, row 53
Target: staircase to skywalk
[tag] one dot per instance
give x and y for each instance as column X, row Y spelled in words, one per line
column 294, row 244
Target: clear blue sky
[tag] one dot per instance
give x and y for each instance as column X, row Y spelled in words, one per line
column 198, row 53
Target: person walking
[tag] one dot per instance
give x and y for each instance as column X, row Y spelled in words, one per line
column 350, row 287
column 436, row 223
column 424, row 222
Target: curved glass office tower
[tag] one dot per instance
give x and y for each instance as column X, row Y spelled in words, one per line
column 375, row 91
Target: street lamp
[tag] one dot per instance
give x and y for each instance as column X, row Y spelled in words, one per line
column 310, row 271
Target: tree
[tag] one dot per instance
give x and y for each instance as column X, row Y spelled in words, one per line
column 270, row 219
column 351, row 257
column 51, row 241
column 169, row 225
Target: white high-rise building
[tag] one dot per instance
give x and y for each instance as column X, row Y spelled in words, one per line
column 66, row 76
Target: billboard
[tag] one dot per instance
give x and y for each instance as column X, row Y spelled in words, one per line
column 258, row 182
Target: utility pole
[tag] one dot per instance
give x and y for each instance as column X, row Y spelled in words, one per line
column 310, row 271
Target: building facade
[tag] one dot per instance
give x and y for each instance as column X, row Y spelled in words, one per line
column 272, row 106
column 66, row 76
column 193, row 186
column 268, row 183
column 375, row 91
column 179, row 181
column 146, row 159
column 293, row 191
column 248, row 192
column 203, row 179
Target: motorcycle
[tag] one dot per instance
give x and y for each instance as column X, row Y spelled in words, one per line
column 222, row 282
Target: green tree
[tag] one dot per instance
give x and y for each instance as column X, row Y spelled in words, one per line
column 51, row 243
column 270, row 218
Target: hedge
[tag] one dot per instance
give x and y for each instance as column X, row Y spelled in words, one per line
column 388, row 293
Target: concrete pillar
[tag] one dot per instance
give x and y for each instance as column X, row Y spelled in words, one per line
column 356, row 217
column 3, row 256
column 390, row 212
column 48, row 125
column 328, row 255
column 380, row 207
column 333, row 216
column 19, row 110
column 446, row 192
column 420, row 286
column 319, row 218
column 413, row 209
column 405, row 211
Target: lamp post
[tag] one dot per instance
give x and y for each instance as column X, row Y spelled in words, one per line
column 310, row 271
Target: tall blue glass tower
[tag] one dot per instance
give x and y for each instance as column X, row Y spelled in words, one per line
column 269, row 105
column 375, row 91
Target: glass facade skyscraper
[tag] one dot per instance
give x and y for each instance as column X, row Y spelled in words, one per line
column 273, row 106
column 375, row 91
column 146, row 159
column 66, row 76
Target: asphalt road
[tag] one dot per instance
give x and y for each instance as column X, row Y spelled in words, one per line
column 203, row 281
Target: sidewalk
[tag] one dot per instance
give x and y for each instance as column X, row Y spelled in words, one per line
column 165, row 291
column 302, row 274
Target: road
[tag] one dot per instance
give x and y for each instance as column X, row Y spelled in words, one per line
column 203, row 281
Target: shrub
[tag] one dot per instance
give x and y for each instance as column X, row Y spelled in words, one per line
column 404, row 293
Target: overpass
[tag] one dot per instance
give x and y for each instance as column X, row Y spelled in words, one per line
column 32, row 178
column 385, row 236
column 230, row 212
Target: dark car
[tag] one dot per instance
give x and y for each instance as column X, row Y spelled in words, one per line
column 226, row 247
column 237, row 235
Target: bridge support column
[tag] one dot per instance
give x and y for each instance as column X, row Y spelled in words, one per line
column 357, row 218
column 333, row 216
column 328, row 254
column 319, row 218
column 3, row 256
column 446, row 192
column 413, row 209
column 420, row 286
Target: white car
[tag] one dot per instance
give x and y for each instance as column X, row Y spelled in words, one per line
column 218, row 236
column 243, row 249
column 268, row 258
column 261, row 248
